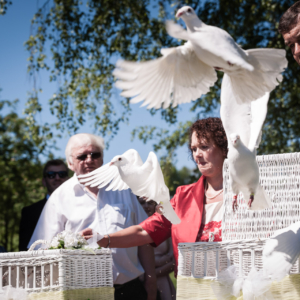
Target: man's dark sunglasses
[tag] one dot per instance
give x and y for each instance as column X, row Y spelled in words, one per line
column 52, row 174
column 94, row 155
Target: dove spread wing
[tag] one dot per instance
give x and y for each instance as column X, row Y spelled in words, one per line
column 155, row 188
column 245, row 119
column 109, row 175
column 236, row 118
column 259, row 110
column 176, row 77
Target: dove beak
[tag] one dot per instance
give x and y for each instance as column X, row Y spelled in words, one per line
column 111, row 163
column 179, row 14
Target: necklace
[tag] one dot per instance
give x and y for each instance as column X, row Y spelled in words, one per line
column 213, row 197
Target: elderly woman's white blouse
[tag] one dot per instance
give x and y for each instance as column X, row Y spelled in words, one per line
column 72, row 207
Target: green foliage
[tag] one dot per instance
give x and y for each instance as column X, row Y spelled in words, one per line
column 61, row 245
column 175, row 178
column 20, row 174
column 3, row 6
column 85, row 40
column 87, row 37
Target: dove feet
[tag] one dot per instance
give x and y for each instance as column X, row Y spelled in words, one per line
column 251, row 200
column 234, row 203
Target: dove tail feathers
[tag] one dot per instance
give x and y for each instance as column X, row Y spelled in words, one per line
column 169, row 213
column 268, row 65
column 261, row 200
column 172, row 217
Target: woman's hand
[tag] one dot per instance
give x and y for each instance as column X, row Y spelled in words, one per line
column 130, row 237
column 102, row 241
column 86, row 233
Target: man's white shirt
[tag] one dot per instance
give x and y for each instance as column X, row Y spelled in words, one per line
column 72, row 207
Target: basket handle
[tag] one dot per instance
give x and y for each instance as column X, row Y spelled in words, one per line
column 37, row 243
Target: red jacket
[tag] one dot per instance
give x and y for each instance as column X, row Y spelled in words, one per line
column 188, row 204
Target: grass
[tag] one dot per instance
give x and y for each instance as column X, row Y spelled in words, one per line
column 173, row 279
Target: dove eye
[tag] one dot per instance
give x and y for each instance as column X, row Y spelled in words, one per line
column 189, row 10
column 120, row 158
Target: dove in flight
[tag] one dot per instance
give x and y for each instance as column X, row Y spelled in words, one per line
column 144, row 179
column 186, row 72
column 243, row 124
column 281, row 252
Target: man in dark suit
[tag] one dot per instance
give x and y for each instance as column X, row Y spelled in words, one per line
column 54, row 174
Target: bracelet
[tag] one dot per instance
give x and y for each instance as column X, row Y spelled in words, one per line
column 108, row 241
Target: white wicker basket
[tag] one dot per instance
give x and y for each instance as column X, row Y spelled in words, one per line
column 45, row 271
column 205, row 260
column 199, row 264
column 280, row 178
column 244, row 233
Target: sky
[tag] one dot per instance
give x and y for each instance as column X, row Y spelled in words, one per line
column 16, row 83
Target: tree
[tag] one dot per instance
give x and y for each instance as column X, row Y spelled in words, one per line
column 3, row 6
column 175, row 178
column 20, row 173
column 86, row 38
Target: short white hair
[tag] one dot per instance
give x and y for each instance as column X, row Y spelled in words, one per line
column 82, row 139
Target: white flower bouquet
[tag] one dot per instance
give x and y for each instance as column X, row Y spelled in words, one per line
column 68, row 240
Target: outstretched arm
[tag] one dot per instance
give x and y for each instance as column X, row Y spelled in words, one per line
column 126, row 238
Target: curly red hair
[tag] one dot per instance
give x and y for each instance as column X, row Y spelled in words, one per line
column 210, row 128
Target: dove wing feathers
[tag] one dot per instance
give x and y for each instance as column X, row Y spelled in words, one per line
column 107, row 174
column 176, row 77
column 259, row 110
column 281, row 251
column 245, row 119
column 236, row 118
column 155, row 188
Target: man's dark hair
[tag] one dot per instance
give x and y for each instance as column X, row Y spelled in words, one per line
column 210, row 129
column 53, row 162
column 289, row 18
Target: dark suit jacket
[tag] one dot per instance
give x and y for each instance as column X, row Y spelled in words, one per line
column 29, row 218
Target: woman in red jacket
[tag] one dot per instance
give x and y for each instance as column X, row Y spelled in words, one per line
column 198, row 205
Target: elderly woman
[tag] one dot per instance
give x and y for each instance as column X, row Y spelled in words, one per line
column 198, row 205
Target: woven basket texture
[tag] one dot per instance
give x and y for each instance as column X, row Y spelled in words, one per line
column 206, row 259
column 102, row 293
column 280, row 178
column 56, row 270
column 189, row 288
column 245, row 232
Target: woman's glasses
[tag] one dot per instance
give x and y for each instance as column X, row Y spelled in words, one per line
column 52, row 174
column 93, row 155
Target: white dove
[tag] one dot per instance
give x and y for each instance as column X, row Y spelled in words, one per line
column 186, row 72
column 144, row 179
column 281, row 252
column 243, row 123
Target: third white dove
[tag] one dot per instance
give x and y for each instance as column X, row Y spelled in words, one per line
column 144, row 179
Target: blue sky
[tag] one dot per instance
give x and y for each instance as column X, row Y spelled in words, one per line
column 16, row 83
